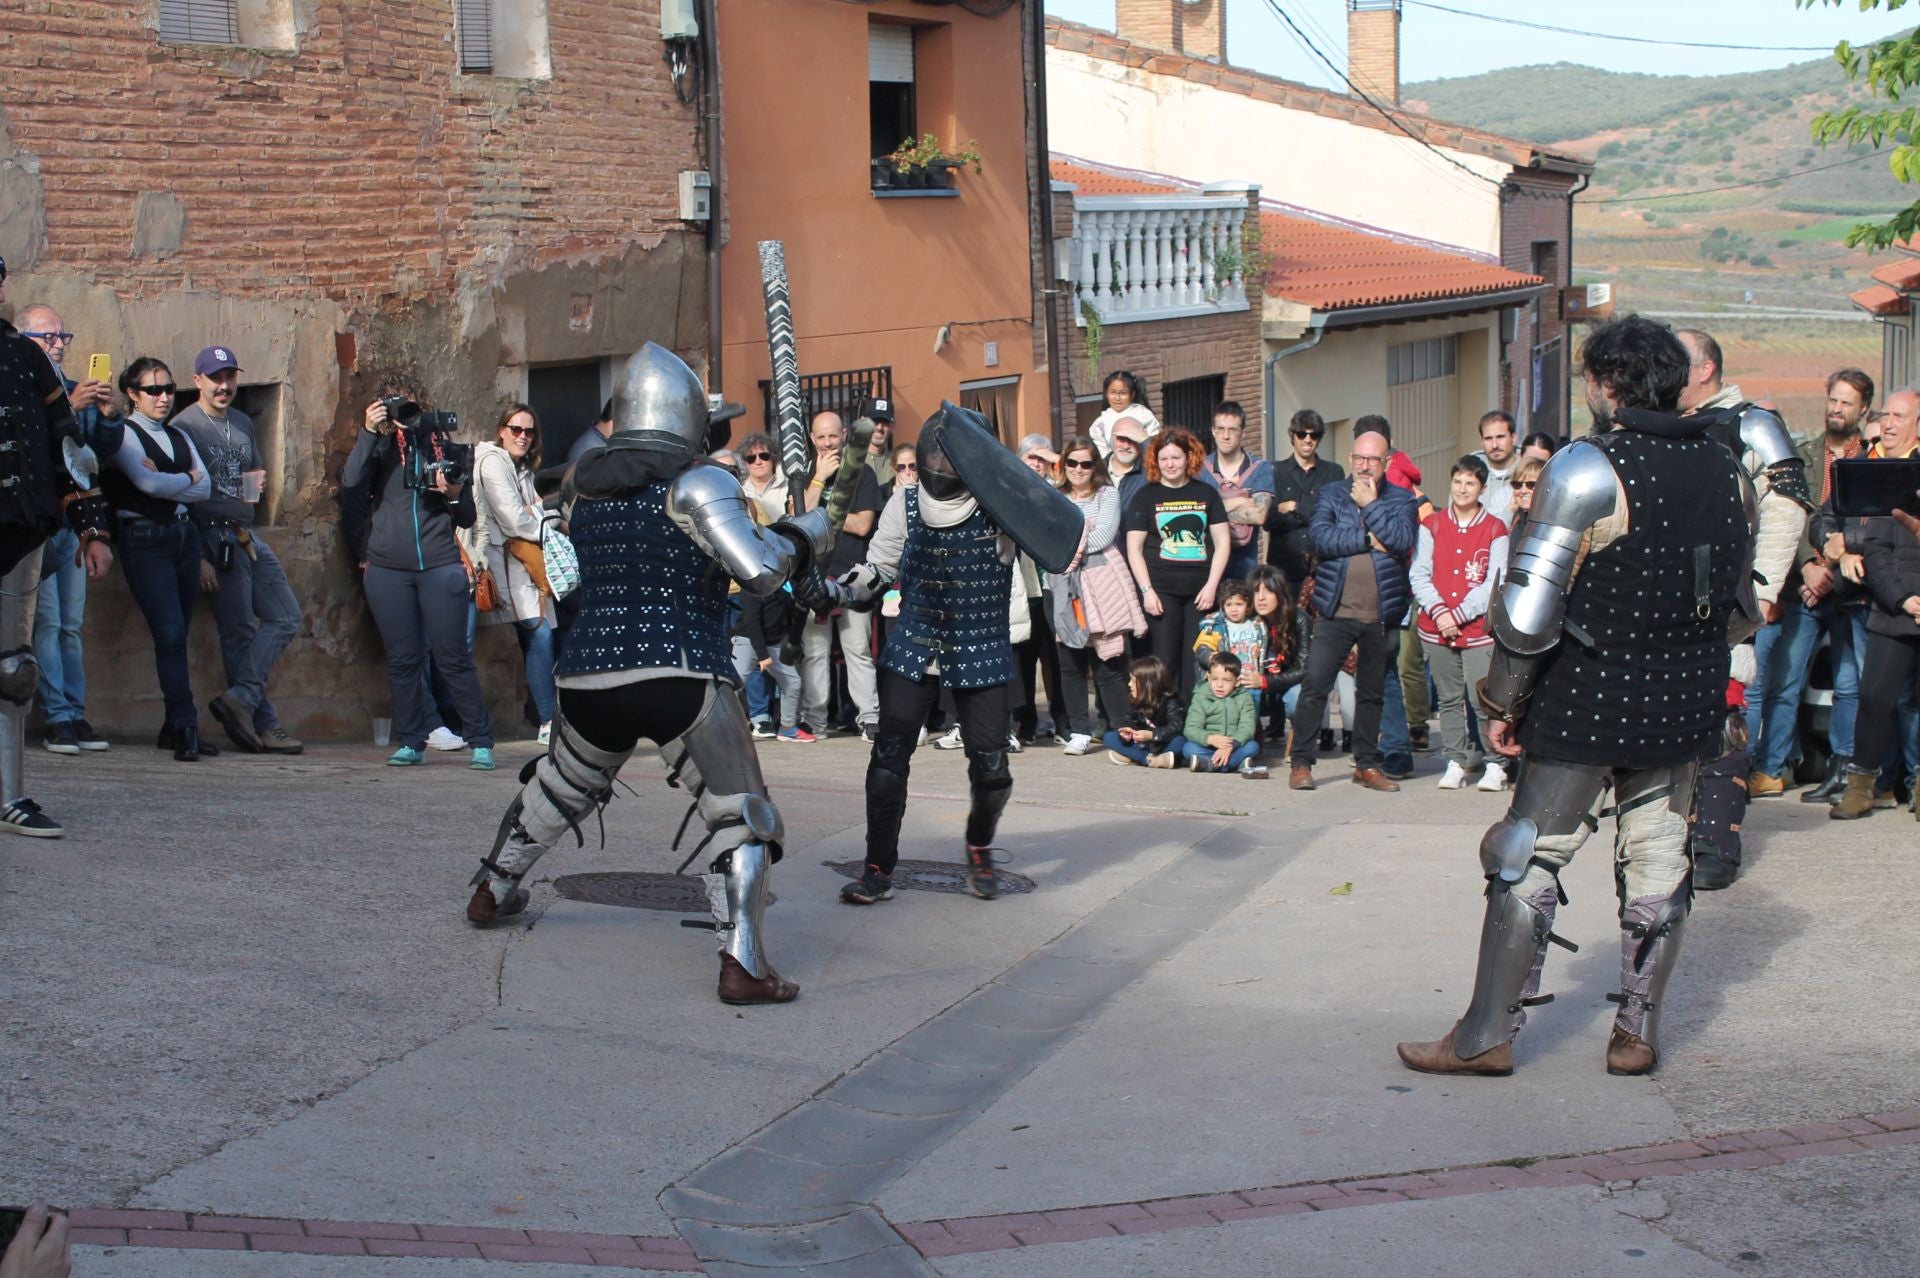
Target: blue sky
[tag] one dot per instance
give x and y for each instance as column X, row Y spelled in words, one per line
column 1436, row 44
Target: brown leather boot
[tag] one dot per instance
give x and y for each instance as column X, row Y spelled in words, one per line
column 1856, row 800
column 742, row 990
column 1438, row 1058
column 1301, row 778
column 482, row 909
column 1374, row 779
column 1629, row 1054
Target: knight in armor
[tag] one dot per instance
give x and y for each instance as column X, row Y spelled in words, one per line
column 660, row 531
column 1610, row 668
column 949, row 544
column 47, row 476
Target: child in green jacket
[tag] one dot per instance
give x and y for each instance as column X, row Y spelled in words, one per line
column 1223, row 723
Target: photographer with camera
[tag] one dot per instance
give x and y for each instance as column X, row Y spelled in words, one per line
column 417, row 581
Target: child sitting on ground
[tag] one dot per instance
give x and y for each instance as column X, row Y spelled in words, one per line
column 1232, row 628
column 1153, row 721
column 1223, row 724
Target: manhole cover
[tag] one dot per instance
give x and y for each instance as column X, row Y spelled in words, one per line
column 673, row 893
column 935, row 876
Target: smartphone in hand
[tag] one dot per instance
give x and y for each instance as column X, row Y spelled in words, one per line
column 100, row 368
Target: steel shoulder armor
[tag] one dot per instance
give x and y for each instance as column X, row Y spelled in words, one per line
column 1764, row 435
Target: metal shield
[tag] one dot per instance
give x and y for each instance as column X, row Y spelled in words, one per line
column 1040, row 518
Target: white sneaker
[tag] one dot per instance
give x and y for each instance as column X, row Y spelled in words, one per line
column 546, row 733
column 951, row 741
column 1493, row 780
column 442, row 738
column 1013, row 743
column 1078, row 743
column 1454, row 778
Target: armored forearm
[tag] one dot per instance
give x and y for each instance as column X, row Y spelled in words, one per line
column 708, row 505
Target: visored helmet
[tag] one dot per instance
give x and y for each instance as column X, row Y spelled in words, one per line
column 660, row 400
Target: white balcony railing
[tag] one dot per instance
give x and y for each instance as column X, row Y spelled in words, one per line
column 1152, row 257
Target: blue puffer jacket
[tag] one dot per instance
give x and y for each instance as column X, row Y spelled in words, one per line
column 1339, row 531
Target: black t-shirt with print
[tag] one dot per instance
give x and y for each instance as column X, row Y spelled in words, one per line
column 1178, row 523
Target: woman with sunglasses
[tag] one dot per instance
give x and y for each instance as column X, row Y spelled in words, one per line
column 416, row 585
column 149, row 480
column 1126, row 401
column 1177, row 547
column 1108, row 602
column 765, row 483
column 1297, row 480
column 510, row 510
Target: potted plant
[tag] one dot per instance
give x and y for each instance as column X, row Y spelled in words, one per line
column 925, row 163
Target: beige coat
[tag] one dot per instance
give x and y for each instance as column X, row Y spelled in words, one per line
column 506, row 505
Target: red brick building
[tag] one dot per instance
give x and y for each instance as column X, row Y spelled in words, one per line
column 475, row 202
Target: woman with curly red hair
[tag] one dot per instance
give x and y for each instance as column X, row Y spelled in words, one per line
column 1177, row 547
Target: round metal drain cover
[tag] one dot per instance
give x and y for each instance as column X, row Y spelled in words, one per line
column 935, row 876
column 673, row 893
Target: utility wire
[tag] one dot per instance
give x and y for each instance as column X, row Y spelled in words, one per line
column 1367, row 98
column 1736, row 186
column 1626, row 39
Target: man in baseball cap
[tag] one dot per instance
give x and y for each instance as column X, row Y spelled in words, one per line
column 253, row 604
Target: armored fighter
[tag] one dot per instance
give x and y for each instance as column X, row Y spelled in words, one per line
column 46, row 476
column 659, row 531
column 1610, row 668
column 949, row 543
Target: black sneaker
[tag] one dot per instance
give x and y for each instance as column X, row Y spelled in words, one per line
column 872, row 886
column 89, row 738
column 869, row 734
column 23, row 816
column 981, row 880
column 1326, row 741
column 1421, row 741
column 63, row 737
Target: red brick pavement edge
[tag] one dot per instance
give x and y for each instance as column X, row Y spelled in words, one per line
column 1734, row 1151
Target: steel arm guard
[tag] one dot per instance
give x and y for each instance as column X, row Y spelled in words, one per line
column 1764, row 435
column 709, row 506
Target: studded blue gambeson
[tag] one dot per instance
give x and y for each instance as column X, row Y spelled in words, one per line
column 954, row 603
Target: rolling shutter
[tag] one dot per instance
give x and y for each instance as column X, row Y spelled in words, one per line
column 889, row 53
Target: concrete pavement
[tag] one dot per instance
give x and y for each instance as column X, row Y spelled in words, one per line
column 245, row 989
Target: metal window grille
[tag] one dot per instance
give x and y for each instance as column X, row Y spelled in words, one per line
column 200, row 21
column 833, row 392
column 473, row 27
column 1190, row 404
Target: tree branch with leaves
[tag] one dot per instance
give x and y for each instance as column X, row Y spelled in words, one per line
column 1887, row 69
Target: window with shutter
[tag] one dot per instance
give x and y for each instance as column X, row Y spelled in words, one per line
column 200, row 21
column 890, row 90
column 473, row 28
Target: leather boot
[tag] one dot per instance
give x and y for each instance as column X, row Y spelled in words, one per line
column 1828, row 791
column 1856, row 800
column 1628, row 1054
column 482, row 909
column 186, row 745
column 1711, row 871
column 742, row 990
column 1438, row 1058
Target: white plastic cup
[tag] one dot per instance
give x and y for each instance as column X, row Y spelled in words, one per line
column 383, row 732
column 251, row 484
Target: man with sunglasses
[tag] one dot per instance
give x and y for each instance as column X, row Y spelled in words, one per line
column 49, row 479
column 60, row 609
column 1297, row 481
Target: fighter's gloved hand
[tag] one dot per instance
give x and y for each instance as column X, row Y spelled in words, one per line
column 860, row 587
column 814, row 590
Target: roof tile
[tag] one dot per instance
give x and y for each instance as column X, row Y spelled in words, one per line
column 1878, row 299
column 1903, row 273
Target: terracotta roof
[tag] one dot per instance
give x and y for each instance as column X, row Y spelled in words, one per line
column 1878, row 299
column 1072, row 37
column 1323, row 262
column 1903, row 274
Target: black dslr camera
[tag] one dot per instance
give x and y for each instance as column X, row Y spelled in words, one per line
column 426, row 440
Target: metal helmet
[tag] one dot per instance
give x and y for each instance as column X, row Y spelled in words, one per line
column 658, row 395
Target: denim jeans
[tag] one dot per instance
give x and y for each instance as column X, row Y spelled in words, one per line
column 1138, row 753
column 1241, row 561
column 1396, row 742
column 536, row 651
column 1773, row 707
column 1185, row 750
column 57, row 616
column 162, row 564
column 258, row 617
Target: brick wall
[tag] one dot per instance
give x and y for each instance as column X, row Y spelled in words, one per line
column 1373, row 51
column 1154, row 22
column 1534, row 208
column 348, row 215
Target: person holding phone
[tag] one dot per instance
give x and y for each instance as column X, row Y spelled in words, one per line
column 36, row 1243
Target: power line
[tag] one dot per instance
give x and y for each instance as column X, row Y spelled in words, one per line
column 1625, row 39
column 1737, row 186
column 1367, row 98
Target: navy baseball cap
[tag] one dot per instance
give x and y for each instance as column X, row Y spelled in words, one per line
column 212, row 360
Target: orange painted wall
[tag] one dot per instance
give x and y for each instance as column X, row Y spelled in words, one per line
column 874, row 279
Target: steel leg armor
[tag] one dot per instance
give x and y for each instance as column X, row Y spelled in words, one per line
column 1522, row 856
column 716, row 762
column 19, row 672
column 573, row 780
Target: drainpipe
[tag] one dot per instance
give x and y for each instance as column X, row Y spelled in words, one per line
column 716, row 167
column 1049, row 285
column 1316, row 329
column 1566, row 346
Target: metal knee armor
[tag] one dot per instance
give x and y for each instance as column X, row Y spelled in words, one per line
column 573, row 779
